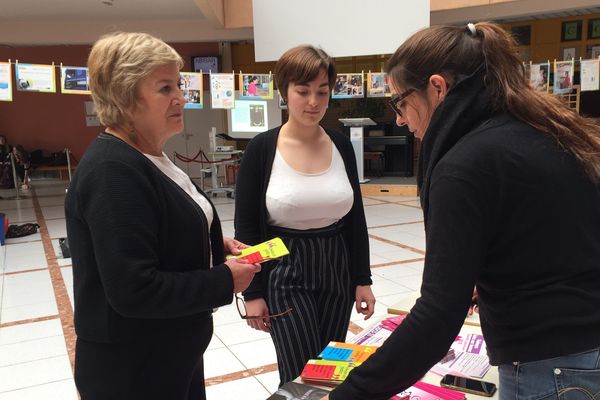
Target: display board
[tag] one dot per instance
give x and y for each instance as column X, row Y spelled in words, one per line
column 342, row 28
column 250, row 117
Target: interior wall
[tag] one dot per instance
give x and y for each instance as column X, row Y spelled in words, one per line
column 546, row 34
column 53, row 121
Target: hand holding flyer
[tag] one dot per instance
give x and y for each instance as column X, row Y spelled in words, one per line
column 266, row 251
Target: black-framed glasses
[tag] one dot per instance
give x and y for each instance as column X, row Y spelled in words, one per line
column 396, row 102
column 241, row 307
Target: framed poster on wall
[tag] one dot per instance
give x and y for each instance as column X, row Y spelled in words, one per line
column 594, row 29
column 569, row 53
column 570, row 31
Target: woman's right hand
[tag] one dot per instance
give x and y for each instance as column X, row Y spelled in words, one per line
column 242, row 272
column 258, row 307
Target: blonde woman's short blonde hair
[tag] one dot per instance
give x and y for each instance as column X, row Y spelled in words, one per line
column 117, row 63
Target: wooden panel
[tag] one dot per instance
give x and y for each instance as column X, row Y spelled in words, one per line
column 388, row 190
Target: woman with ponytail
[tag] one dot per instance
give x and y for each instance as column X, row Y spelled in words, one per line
column 509, row 182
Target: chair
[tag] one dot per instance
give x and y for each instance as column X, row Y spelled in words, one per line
column 375, row 162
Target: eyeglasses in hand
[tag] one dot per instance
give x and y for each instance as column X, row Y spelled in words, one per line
column 241, row 307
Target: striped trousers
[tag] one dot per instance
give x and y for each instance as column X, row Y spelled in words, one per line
column 314, row 281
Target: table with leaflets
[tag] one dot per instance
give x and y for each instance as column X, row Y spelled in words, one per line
column 468, row 353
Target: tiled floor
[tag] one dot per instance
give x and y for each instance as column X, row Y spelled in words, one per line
column 36, row 333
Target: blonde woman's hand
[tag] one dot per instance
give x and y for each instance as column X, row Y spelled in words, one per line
column 233, row 246
column 365, row 301
column 242, row 273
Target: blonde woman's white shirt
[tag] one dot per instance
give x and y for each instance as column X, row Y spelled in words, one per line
column 183, row 181
column 303, row 201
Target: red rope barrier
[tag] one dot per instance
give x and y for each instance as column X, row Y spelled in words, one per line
column 206, row 160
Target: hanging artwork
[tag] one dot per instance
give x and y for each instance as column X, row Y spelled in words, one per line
column 74, row 80
column 538, row 76
column 35, row 78
column 222, row 90
column 377, row 85
column 348, row 86
column 256, row 86
column 190, row 84
column 5, row 82
column 590, row 69
column 563, row 76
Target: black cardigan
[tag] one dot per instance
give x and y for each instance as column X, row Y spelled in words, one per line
column 140, row 249
column 509, row 210
column 251, row 209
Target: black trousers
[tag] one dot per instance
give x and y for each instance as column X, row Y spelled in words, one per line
column 314, row 281
column 159, row 366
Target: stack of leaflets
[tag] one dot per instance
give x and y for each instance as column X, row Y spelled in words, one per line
column 337, row 360
column 377, row 333
column 470, row 357
column 266, row 251
column 298, row 391
column 340, row 351
column 425, row 391
column 326, row 372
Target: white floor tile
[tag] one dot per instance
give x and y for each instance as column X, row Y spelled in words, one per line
column 24, row 256
column 59, row 390
column 246, row 388
column 215, row 343
column 53, row 212
column 270, row 381
column 413, row 282
column 28, row 311
column 238, row 332
column 386, row 287
column 395, row 271
column 29, row 238
column 27, row 288
column 67, row 274
column 226, row 315
column 225, row 211
column 20, row 215
column 219, row 362
column 57, row 228
column 34, row 373
column 255, row 354
column 32, row 350
column 32, row 331
column 13, row 204
column 51, row 201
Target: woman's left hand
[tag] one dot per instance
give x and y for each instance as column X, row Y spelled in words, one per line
column 233, row 246
column 365, row 301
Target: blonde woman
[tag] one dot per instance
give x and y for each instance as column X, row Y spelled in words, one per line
column 146, row 243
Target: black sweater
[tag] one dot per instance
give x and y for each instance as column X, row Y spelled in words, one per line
column 507, row 209
column 140, row 248
column 251, row 210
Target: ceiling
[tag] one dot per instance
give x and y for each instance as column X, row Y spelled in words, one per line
column 47, row 22
column 28, row 10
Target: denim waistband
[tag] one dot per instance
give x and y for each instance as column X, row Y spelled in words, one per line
column 326, row 231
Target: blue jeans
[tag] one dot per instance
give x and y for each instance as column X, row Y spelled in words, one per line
column 572, row 377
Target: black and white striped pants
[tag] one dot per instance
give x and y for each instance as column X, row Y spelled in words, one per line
column 314, row 281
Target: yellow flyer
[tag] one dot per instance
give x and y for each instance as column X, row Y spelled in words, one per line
column 266, row 251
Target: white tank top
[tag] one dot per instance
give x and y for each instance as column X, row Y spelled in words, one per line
column 183, row 181
column 302, row 201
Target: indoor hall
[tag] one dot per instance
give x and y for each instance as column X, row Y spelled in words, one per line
column 36, row 303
